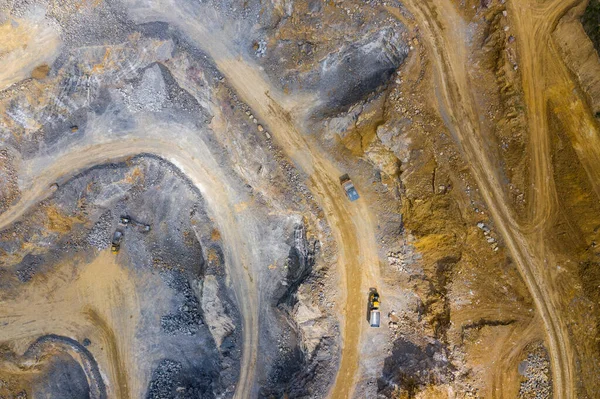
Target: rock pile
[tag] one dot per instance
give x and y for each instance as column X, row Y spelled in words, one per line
column 99, row 235
column 187, row 319
column 535, row 369
column 488, row 236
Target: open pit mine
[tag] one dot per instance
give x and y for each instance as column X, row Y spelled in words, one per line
column 299, row 199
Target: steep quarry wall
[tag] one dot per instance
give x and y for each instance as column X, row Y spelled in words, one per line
column 580, row 54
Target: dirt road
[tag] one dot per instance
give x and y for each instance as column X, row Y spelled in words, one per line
column 547, row 80
column 444, row 30
column 350, row 223
column 547, row 83
column 62, row 305
column 38, row 350
column 195, row 162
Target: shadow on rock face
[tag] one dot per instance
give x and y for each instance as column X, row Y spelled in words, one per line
column 53, row 366
column 289, row 376
column 300, row 262
column 411, row 367
column 63, row 378
column 171, row 380
column 294, row 373
column 353, row 73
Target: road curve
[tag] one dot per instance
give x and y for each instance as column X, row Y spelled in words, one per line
column 187, row 157
column 351, row 223
column 36, row 352
column 442, row 29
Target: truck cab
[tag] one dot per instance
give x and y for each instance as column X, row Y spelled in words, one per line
column 126, row 221
column 116, row 241
column 349, row 188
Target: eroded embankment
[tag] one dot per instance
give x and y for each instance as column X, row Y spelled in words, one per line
column 108, row 301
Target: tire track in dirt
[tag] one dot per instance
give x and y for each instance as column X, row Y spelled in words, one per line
column 187, row 157
column 47, row 343
column 442, row 30
column 558, row 90
column 547, row 82
column 61, row 304
column 539, row 61
column 118, row 367
column 351, row 223
column 511, row 354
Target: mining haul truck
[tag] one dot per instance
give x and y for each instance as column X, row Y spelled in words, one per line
column 374, row 314
column 349, row 188
column 116, row 241
column 126, row 221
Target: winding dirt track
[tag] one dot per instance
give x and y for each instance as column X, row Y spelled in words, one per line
column 547, row 80
column 445, row 37
column 350, row 224
column 205, row 176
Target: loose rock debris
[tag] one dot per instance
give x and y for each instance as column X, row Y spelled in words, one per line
column 240, row 118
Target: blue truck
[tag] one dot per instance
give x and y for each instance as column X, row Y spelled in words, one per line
column 348, row 186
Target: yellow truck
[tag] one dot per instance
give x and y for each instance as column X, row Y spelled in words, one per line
column 116, row 241
column 374, row 314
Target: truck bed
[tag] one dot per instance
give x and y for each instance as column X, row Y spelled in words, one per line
column 375, row 318
column 350, row 190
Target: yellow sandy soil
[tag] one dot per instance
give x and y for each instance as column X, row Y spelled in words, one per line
column 96, row 301
column 27, row 46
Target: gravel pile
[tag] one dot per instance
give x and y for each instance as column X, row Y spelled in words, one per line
column 536, row 372
column 163, row 379
column 150, row 94
column 99, row 236
column 187, row 319
column 171, row 381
